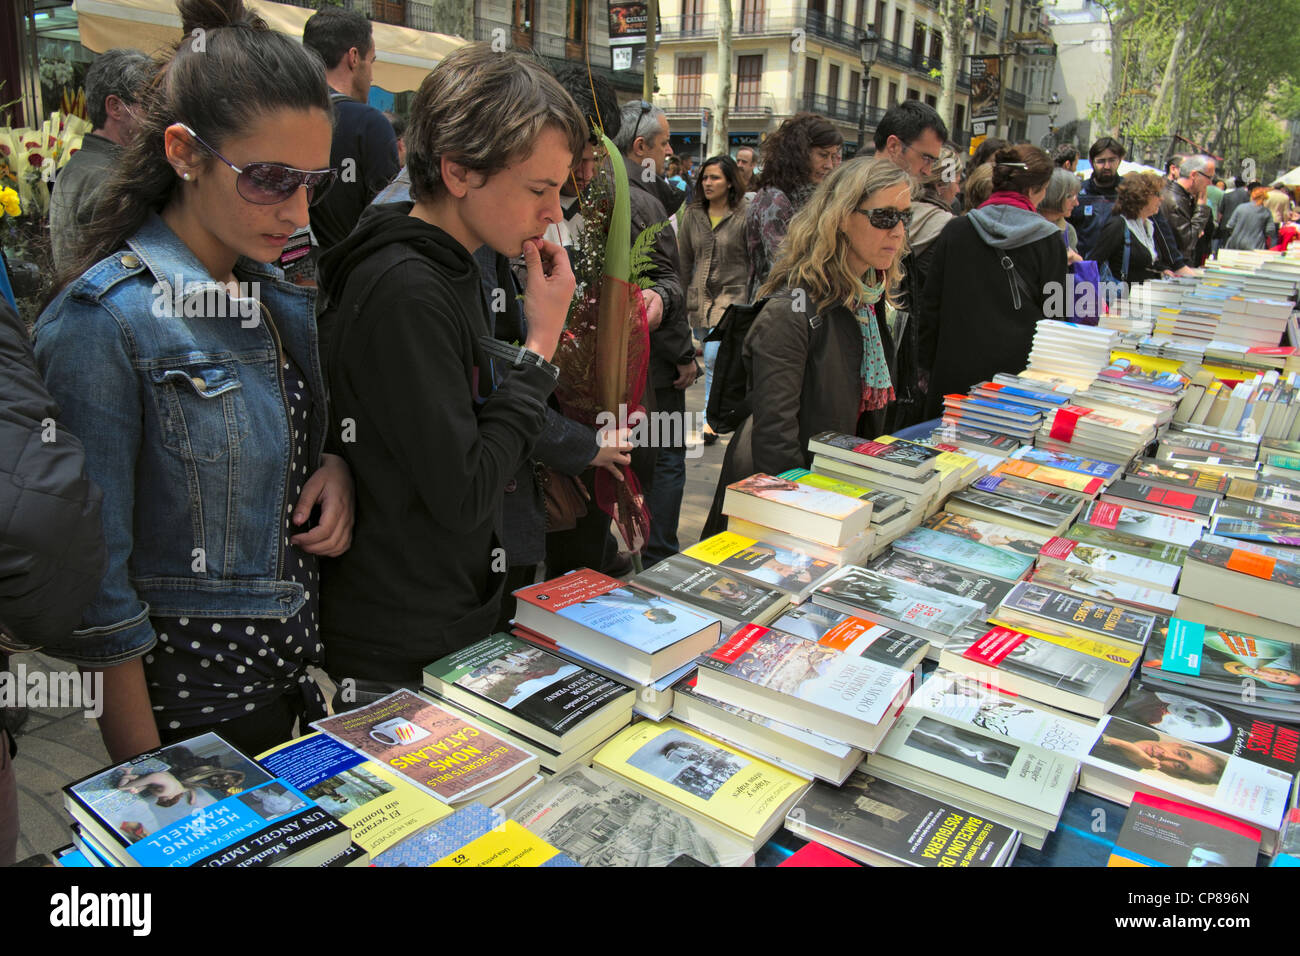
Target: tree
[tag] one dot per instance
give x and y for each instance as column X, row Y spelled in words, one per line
column 956, row 20
column 722, row 102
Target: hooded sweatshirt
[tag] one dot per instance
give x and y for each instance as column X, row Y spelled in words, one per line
column 430, row 442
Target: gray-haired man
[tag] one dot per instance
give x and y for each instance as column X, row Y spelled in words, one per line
column 1184, row 205
column 114, row 84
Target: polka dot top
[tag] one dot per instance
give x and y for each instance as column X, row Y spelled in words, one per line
column 205, row 671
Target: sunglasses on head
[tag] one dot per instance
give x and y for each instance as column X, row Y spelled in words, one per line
column 887, row 217
column 266, row 184
column 645, row 108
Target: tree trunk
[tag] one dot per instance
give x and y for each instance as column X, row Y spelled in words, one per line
column 952, row 17
column 722, row 101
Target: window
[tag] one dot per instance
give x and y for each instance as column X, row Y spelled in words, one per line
column 692, row 16
column 855, row 87
column 898, row 26
column 936, row 46
column 749, row 81
column 575, row 24
column 873, row 92
column 913, row 94
column 833, row 83
column 878, row 24
column 959, row 117
column 931, row 101
column 522, row 20
column 918, row 44
column 860, row 21
column 689, row 70
column 809, row 78
column 893, row 95
column 839, row 10
column 752, row 16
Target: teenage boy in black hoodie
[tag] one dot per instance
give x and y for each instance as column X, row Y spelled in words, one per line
column 432, row 413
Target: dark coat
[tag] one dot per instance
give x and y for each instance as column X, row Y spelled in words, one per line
column 52, row 553
column 1187, row 218
column 969, row 327
column 805, row 376
column 1110, row 250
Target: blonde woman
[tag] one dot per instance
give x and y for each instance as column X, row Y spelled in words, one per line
column 820, row 355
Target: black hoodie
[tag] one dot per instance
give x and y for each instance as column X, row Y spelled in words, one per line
column 430, row 443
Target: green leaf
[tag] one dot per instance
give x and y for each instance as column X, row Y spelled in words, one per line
column 639, row 275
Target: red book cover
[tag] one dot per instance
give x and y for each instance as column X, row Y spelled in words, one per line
column 992, row 649
column 814, row 854
column 1058, row 548
column 568, row 589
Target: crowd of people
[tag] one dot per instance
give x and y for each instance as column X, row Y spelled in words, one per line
column 344, row 460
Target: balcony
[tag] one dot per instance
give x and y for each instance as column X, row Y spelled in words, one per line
column 684, row 107
column 556, row 49
column 836, row 31
column 753, row 105
column 692, row 26
column 988, row 26
column 1015, row 100
column 845, row 111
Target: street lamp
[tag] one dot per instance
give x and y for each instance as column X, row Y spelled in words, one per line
column 869, row 49
column 1053, row 110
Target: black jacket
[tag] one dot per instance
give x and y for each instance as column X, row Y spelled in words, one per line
column 805, row 376
column 364, row 150
column 969, row 324
column 671, row 343
column 1110, row 250
column 52, row 553
column 430, row 442
column 1188, row 219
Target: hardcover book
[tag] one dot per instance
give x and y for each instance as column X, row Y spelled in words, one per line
column 529, row 690
column 730, row 598
column 896, row 603
column 787, row 569
column 639, row 635
column 883, row 824
column 980, row 588
column 799, row 681
column 445, row 755
column 899, row 459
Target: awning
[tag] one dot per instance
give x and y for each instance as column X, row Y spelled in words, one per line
column 403, row 57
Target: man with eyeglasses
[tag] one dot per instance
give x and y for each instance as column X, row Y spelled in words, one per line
column 1185, row 208
column 910, row 136
column 114, row 83
column 364, row 149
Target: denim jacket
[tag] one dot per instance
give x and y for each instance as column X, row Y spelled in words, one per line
column 175, row 390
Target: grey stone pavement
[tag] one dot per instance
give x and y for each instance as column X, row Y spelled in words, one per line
column 58, row 746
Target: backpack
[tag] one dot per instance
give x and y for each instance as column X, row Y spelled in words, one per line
column 728, row 399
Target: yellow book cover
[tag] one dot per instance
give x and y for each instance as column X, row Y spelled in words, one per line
column 703, row 776
column 378, row 806
column 507, row 845
column 1118, row 653
column 720, row 547
column 827, row 483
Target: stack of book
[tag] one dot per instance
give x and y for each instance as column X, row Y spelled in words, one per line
column 983, row 589
column 790, row 569
column 1161, row 499
column 1018, row 420
column 611, row 626
column 883, row 824
column 1108, row 434
column 1280, row 458
column 731, row 598
column 1018, row 785
column 1017, row 504
column 974, row 441
column 1074, row 353
column 904, row 469
column 797, row 510
column 560, row 710
column 1158, row 474
column 199, row 803
column 838, row 694
column 703, row 778
column 1188, row 447
column 1239, row 584
column 891, row 514
column 897, row 603
column 1253, row 322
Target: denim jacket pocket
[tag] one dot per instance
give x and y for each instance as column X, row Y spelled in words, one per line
column 200, row 406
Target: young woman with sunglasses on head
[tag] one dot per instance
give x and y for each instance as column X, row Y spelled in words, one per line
column 189, row 369
column 820, row 355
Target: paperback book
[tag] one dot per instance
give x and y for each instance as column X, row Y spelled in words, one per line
column 731, row 598
column 798, row 509
column 787, row 569
column 995, row 535
column 1159, row 832
column 916, row 610
column 982, row 589
column 965, row 554
column 906, row 460
column 474, row 836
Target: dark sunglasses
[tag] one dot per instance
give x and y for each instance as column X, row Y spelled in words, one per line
column 645, row 108
column 269, row 183
column 887, row 217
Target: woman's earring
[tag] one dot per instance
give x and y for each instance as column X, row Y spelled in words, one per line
column 185, row 176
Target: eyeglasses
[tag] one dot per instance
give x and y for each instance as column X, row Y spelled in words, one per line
column 887, row 217
column 926, row 158
column 645, row 108
column 266, row 184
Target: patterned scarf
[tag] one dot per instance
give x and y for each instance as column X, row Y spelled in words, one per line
column 877, row 386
